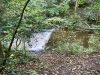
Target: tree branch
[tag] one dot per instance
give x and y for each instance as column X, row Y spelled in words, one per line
column 17, row 26
column 9, row 49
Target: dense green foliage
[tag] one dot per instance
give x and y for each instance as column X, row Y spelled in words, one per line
column 39, row 11
column 40, row 14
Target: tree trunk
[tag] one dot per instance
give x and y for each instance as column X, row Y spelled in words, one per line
column 76, row 6
column 1, row 51
column 2, row 54
column 9, row 49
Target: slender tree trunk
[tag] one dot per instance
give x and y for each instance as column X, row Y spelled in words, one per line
column 92, row 3
column 97, row 17
column 9, row 49
column 1, row 51
column 17, row 26
column 76, row 3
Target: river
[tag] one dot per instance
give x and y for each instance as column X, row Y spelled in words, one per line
column 49, row 38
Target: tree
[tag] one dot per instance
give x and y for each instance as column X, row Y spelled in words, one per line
column 9, row 49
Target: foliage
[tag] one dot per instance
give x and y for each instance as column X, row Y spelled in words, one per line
column 38, row 11
column 74, row 47
column 41, row 14
column 71, row 41
column 55, row 22
column 34, row 73
column 58, row 9
column 70, row 48
column 18, row 58
column 93, row 13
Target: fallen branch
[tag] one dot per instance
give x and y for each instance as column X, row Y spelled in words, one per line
column 80, row 28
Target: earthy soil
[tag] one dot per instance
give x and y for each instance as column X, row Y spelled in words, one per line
column 60, row 64
column 78, row 64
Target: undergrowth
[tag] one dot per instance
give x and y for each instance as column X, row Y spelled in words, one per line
column 15, row 63
column 75, row 47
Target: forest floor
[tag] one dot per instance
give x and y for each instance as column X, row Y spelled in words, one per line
column 61, row 64
column 77, row 64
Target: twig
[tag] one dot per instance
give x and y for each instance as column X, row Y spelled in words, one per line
column 62, row 57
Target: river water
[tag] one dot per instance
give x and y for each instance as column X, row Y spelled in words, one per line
column 36, row 42
column 49, row 38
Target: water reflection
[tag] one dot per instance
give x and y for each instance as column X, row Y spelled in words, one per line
column 63, row 35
